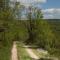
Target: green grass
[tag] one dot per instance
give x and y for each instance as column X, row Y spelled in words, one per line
column 40, row 54
column 5, row 53
column 22, row 53
column 55, row 52
column 45, row 56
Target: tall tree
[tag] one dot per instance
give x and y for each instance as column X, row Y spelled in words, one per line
column 17, row 11
column 33, row 15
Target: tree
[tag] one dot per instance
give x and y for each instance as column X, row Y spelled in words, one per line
column 33, row 15
column 37, row 14
column 5, row 19
column 4, row 4
column 17, row 10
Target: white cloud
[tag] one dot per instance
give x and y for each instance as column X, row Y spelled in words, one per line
column 42, row 1
column 29, row 2
column 52, row 13
column 52, row 10
column 48, row 11
column 48, row 16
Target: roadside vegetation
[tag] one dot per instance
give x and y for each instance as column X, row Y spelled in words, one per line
column 5, row 53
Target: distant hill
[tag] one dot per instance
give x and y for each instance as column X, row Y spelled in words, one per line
column 55, row 26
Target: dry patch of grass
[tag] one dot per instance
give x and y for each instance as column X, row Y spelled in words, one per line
column 22, row 53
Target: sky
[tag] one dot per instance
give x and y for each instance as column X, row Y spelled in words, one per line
column 52, row 4
column 50, row 8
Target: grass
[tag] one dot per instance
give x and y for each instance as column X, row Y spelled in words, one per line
column 5, row 53
column 55, row 52
column 45, row 56
column 22, row 53
column 40, row 54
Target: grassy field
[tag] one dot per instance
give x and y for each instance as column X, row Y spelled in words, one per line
column 22, row 53
column 44, row 55
column 40, row 54
column 5, row 53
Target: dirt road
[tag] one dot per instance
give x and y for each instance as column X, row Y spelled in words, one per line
column 14, row 52
column 31, row 53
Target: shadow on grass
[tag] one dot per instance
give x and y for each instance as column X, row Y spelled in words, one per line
column 42, row 59
column 29, row 47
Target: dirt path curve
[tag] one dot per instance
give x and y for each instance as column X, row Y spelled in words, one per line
column 14, row 52
column 30, row 52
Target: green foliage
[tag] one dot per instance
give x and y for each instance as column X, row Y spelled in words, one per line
column 35, row 30
column 5, row 53
column 55, row 27
column 22, row 53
